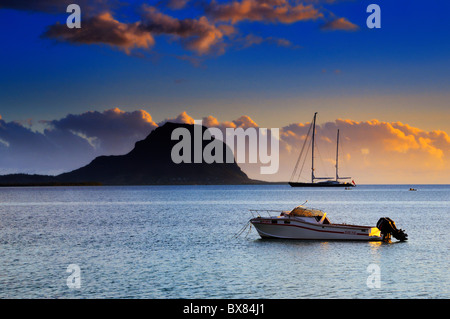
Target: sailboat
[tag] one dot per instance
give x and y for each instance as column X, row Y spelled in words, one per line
column 319, row 181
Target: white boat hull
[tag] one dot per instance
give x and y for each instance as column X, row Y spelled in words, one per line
column 290, row 228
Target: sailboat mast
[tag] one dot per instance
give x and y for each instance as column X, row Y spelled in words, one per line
column 337, row 156
column 312, row 154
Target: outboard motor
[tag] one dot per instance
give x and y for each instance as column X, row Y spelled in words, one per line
column 388, row 228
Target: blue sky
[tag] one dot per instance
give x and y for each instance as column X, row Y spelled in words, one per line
column 45, row 78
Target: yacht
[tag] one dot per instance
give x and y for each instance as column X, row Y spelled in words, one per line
column 316, row 181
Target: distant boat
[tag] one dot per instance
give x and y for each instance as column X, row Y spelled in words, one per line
column 329, row 182
column 412, row 189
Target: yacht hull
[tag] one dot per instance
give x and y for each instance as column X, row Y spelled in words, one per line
column 288, row 228
column 296, row 184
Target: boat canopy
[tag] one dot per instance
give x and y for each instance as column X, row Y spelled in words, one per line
column 302, row 211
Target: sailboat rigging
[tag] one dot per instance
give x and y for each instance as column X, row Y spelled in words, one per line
column 329, row 182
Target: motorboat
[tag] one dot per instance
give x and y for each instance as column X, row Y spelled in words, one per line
column 310, row 223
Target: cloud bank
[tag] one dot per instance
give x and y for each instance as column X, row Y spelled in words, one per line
column 372, row 151
column 205, row 29
column 70, row 142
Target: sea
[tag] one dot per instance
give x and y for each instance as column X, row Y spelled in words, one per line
column 194, row 242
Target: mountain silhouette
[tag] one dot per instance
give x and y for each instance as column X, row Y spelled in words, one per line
column 149, row 163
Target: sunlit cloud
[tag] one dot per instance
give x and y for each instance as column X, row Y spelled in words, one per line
column 275, row 11
column 339, row 24
column 371, row 151
column 207, row 31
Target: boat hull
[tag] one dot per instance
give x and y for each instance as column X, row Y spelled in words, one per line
column 292, row 229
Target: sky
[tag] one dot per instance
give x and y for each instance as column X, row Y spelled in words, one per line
column 68, row 95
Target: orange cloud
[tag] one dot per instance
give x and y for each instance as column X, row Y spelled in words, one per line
column 371, row 151
column 262, row 10
column 210, row 31
column 375, row 151
column 245, row 121
column 198, row 35
column 339, row 24
column 182, row 118
column 210, row 121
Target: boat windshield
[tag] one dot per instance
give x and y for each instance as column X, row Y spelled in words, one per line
column 306, row 212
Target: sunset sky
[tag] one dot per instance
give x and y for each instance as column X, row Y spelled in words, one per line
column 68, row 95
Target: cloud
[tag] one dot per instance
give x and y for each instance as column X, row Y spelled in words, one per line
column 182, row 118
column 70, row 142
column 371, row 151
column 251, row 40
column 375, row 151
column 50, row 6
column 103, row 29
column 112, row 131
column 89, row 7
column 199, row 35
column 397, row 138
column 176, row 4
column 209, row 32
column 339, row 24
column 23, row 150
column 274, row 11
column 243, row 121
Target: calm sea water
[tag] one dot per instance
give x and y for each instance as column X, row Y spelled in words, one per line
column 178, row 242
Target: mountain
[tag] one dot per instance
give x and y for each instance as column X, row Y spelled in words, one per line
column 149, row 163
